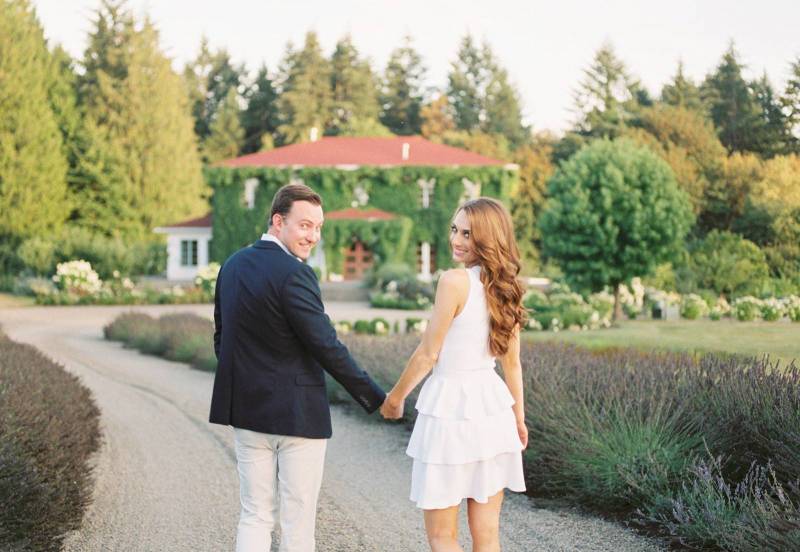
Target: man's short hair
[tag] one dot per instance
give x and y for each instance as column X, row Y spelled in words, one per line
column 287, row 195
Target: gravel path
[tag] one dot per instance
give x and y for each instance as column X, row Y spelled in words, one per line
column 166, row 480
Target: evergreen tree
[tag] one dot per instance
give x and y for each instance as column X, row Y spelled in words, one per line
column 354, row 89
column 482, row 97
column 208, row 78
column 260, row 118
column 226, row 132
column 466, row 88
column 402, row 91
column 305, row 101
column 790, row 100
column 32, row 162
column 606, row 99
column 141, row 155
column 682, row 92
column 732, row 105
column 503, row 109
column 772, row 133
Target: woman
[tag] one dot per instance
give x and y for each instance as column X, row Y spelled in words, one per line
column 470, row 430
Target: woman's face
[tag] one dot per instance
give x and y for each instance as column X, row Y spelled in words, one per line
column 461, row 240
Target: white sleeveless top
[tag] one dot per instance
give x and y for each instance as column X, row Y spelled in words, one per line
column 466, row 345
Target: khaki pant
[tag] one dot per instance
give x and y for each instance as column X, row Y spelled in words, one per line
column 280, row 476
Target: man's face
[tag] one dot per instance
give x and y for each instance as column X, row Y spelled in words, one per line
column 299, row 230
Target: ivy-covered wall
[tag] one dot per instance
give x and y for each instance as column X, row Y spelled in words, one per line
column 394, row 189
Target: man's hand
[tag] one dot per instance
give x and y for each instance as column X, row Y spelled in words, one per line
column 392, row 407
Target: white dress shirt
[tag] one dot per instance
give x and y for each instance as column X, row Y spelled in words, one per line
column 269, row 237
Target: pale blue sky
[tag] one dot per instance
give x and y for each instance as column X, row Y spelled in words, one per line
column 544, row 45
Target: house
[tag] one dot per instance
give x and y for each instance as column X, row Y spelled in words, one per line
column 386, row 200
column 187, row 247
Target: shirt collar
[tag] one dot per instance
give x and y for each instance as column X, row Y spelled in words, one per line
column 269, row 237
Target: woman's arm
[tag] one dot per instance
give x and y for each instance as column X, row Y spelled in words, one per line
column 451, row 295
column 512, row 373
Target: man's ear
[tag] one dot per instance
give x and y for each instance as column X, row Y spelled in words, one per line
column 276, row 222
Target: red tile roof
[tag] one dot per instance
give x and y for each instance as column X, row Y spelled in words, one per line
column 201, row 222
column 352, row 213
column 343, row 150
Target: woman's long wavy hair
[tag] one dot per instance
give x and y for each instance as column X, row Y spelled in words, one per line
column 496, row 249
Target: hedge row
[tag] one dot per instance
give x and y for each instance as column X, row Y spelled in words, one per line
column 180, row 337
column 49, row 426
column 704, row 450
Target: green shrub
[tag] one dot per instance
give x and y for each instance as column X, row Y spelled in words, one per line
column 126, row 326
column 693, row 306
column 362, row 327
column 49, row 427
column 746, row 309
column 396, row 286
column 38, row 254
column 181, row 337
column 728, row 264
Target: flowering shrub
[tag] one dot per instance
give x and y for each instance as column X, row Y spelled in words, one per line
column 206, row 278
column 746, row 308
column 693, row 306
column 632, row 298
column 721, row 308
column 397, row 287
column 416, row 325
column 560, row 308
column 792, row 304
column 76, row 283
column 77, row 278
column 343, row 327
column 771, row 309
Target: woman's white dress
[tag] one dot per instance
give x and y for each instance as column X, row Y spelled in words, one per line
column 465, row 442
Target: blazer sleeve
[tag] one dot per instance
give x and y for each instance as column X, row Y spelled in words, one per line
column 303, row 309
column 217, row 318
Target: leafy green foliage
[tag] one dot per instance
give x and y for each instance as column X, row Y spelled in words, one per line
column 613, row 212
column 728, row 264
column 32, row 162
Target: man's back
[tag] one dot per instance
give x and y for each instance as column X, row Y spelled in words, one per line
column 272, row 341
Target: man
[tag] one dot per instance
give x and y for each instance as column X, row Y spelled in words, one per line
column 273, row 340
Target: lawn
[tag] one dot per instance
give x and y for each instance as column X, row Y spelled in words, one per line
column 778, row 339
column 10, row 301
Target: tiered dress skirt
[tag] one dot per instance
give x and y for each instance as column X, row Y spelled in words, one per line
column 465, row 442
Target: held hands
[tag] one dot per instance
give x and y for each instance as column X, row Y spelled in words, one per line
column 392, row 407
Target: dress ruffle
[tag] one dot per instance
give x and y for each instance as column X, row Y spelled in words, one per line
column 466, row 396
column 455, row 441
column 435, row 486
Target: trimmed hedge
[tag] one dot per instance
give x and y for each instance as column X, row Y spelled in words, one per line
column 184, row 338
column 49, row 427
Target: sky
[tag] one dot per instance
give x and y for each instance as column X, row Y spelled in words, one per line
column 545, row 46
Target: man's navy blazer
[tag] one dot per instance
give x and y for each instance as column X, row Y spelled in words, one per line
column 273, row 340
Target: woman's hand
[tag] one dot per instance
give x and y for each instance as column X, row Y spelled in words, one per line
column 522, row 430
column 392, row 407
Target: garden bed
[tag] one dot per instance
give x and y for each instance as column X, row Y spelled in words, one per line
column 704, row 449
column 49, row 427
